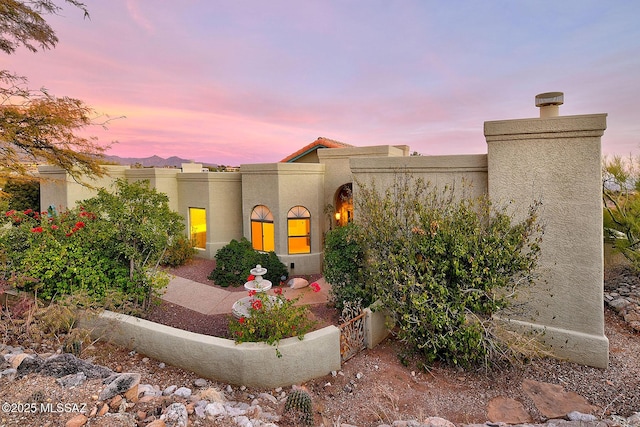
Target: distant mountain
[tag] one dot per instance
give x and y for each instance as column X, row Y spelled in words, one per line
column 153, row 161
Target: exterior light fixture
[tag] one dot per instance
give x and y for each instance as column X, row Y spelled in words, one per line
column 337, row 216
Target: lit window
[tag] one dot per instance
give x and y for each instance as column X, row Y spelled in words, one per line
column 299, row 230
column 198, row 227
column 262, row 229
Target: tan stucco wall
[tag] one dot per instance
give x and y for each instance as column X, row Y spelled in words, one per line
column 162, row 179
column 220, row 193
column 248, row 364
column 338, row 168
column 557, row 161
column 281, row 186
column 60, row 190
column 467, row 174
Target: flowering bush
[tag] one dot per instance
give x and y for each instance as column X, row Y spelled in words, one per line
column 55, row 254
column 111, row 243
column 271, row 318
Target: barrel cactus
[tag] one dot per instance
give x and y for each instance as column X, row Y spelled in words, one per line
column 299, row 405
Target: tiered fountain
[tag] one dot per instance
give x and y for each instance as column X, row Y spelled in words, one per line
column 258, row 284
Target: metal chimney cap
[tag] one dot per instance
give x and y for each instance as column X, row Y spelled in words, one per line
column 549, row 98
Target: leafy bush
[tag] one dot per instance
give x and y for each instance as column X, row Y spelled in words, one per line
column 23, row 195
column 179, row 252
column 110, row 245
column 621, row 186
column 344, row 266
column 271, row 318
column 236, row 259
column 443, row 266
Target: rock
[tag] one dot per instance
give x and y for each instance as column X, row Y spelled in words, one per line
column 77, row 421
column 438, row 422
column 176, row 415
column 183, row 392
column 214, row 409
column 115, row 402
column 619, row 303
column 200, row 382
column 212, row 395
column 10, row 373
column 553, row 401
column 267, row 396
column 132, row 394
column 506, row 410
column 579, row 416
column 60, row 365
column 169, row 390
column 156, row 423
column 103, row 410
column 16, row 359
column 119, row 383
column 72, row 380
column 298, row 283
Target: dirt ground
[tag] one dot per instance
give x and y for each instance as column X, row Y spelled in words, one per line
column 375, row 386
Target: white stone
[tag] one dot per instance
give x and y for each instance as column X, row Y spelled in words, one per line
column 183, row 392
column 215, row 409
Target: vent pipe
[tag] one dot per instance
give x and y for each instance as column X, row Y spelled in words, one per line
column 549, row 103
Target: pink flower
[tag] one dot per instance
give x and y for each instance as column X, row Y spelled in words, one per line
column 252, row 292
column 278, row 291
column 315, row 287
column 36, row 230
column 256, row 305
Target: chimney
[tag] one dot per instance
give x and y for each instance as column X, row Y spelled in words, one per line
column 549, row 103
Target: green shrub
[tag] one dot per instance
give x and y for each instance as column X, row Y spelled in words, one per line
column 179, row 252
column 271, row 318
column 108, row 247
column 236, row 259
column 443, row 265
column 344, row 266
column 621, row 189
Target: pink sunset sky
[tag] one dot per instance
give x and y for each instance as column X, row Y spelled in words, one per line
column 252, row 81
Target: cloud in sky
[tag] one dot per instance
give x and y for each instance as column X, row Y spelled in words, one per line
column 253, row 81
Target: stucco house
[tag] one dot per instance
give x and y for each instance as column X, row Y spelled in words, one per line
column 287, row 207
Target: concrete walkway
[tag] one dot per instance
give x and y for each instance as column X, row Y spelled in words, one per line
column 211, row 300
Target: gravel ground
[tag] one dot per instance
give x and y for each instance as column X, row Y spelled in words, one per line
column 373, row 387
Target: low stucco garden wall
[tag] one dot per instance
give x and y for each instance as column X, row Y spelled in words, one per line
column 249, row 364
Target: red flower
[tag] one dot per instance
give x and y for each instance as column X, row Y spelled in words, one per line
column 256, row 305
column 10, row 213
column 315, row 287
column 79, row 225
column 251, row 277
column 54, row 227
column 36, row 230
column 278, row 291
column 252, row 292
column 28, row 211
column 242, row 320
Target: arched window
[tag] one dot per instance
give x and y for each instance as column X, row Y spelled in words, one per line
column 299, row 230
column 344, row 204
column 262, row 229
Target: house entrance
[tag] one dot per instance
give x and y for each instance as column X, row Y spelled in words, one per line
column 344, row 205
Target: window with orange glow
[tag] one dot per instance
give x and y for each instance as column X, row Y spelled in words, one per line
column 262, row 229
column 198, row 227
column 299, row 230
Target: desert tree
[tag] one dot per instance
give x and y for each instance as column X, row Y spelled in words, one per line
column 36, row 126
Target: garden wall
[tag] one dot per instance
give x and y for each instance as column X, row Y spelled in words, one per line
column 249, row 364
